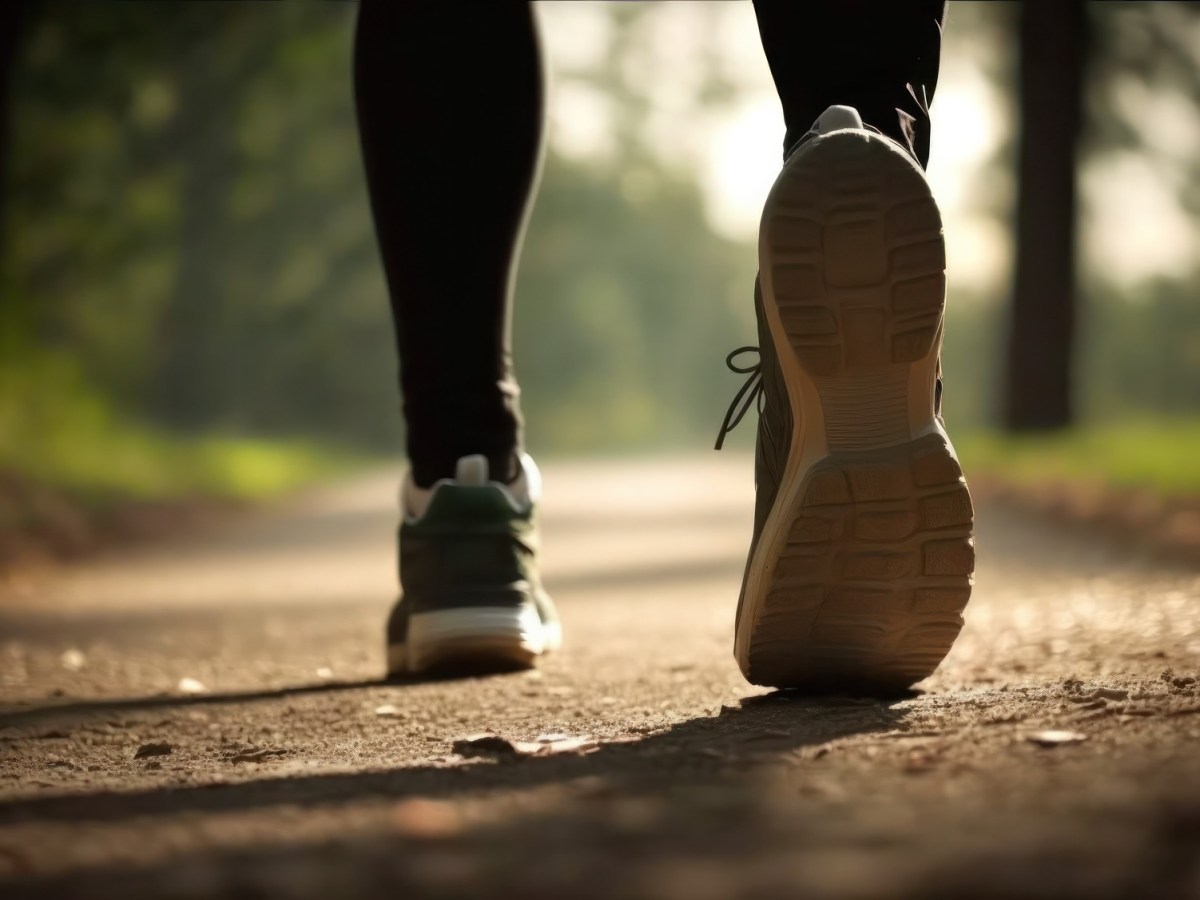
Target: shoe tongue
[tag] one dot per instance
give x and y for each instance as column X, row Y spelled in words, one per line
column 835, row 118
column 472, row 471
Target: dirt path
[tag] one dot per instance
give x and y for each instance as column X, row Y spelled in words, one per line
column 297, row 774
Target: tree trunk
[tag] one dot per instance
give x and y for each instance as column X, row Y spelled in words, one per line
column 186, row 393
column 1053, row 57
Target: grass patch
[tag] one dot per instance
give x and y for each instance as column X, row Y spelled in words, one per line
column 1161, row 455
column 56, row 431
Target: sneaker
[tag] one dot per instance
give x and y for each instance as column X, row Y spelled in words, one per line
column 472, row 600
column 862, row 555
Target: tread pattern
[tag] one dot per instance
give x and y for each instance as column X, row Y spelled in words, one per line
column 854, row 227
column 873, row 575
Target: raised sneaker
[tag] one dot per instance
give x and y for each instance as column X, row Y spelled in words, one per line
column 862, row 554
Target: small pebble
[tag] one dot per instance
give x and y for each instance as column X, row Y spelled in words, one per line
column 191, row 686
column 1054, row 737
column 154, row 748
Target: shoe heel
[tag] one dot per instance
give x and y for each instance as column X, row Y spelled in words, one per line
column 869, row 582
column 471, row 639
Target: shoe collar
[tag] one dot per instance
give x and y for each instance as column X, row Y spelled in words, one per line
column 472, row 471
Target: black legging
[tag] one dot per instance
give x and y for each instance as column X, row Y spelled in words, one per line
column 450, row 99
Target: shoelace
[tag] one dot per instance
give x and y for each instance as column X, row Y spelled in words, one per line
column 750, row 393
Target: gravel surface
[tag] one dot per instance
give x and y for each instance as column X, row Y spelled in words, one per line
column 206, row 719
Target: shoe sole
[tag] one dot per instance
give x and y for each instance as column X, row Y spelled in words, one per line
column 864, row 565
column 473, row 640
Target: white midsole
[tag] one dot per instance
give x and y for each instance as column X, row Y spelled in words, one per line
column 519, row 632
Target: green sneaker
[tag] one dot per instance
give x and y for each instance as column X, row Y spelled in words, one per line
column 472, row 599
column 862, row 557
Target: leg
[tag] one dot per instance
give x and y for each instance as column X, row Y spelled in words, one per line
column 14, row 17
column 450, row 112
column 881, row 58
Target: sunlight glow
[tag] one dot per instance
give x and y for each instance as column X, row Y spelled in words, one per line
column 1134, row 228
column 1137, row 230
column 736, row 150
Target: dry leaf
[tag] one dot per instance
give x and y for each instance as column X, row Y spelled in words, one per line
column 495, row 746
column 567, row 745
column 484, row 745
column 1104, row 693
column 255, row 755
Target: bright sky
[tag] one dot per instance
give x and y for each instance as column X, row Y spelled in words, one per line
column 1137, row 229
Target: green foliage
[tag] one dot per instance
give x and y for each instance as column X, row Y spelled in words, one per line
column 623, row 323
column 1141, row 354
column 971, row 358
column 1159, row 454
column 64, row 433
column 188, row 219
column 189, row 252
column 189, row 225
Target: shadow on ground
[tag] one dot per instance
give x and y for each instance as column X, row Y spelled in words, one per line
column 698, row 749
column 690, row 783
column 694, row 811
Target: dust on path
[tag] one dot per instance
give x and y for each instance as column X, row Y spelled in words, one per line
column 299, row 774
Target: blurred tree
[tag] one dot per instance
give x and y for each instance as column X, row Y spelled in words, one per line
column 1143, row 358
column 13, row 16
column 189, row 238
column 1140, row 352
column 202, row 135
column 192, row 240
column 642, row 299
column 1053, row 59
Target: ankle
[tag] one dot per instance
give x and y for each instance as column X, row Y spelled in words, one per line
column 473, row 470
column 424, row 474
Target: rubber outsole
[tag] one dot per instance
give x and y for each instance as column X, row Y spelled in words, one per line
column 474, row 640
column 864, row 565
